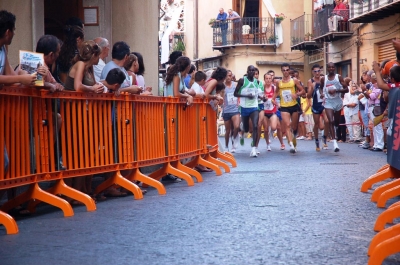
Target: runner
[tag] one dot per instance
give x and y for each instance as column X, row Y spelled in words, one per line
column 331, row 86
column 247, row 89
column 317, row 106
column 260, row 108
column 289, row 107
column 271, row 120
column 231, row 113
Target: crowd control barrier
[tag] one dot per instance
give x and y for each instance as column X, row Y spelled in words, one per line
column 98, row 134
column 387, row 241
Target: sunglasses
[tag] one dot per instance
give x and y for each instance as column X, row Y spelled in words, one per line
column 316, row 71
column 285, row 70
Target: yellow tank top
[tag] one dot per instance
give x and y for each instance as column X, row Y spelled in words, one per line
column 285, row 91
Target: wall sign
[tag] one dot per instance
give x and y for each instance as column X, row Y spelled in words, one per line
column 91, row 16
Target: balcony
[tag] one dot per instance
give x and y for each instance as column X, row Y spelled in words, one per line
column 340, row 28
column 249, row 31
column 301, row 32
column 370, row 11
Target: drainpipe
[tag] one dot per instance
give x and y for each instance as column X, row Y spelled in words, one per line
column 196, row 37
column 358, row 56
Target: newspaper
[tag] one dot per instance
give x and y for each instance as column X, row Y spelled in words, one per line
column 30, row 62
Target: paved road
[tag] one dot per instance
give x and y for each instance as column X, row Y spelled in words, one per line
column 274, row 209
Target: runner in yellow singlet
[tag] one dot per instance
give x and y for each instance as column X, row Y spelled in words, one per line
column 289, row 89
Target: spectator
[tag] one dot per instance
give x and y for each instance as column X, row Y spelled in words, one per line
column 390, row 64
column 81, row 77
column 130, row 65
column 173, row 57
column 236, row 26
column 120, row 53
column 139, row 71
column 105, row 50
column 306, row 104
column 113, row 81
column 364, row 86
column 69, row 49
column 340, row 12
column 321, row 21
column 199, row 81
column 174, row 80
column 218, row 76
column 351, row 108
column 221, row 21
column 189, row 76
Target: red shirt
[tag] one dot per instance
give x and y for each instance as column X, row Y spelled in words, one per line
column 269, row 108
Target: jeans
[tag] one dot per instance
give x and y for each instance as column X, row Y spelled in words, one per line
column 365, row 120
column 223, row 33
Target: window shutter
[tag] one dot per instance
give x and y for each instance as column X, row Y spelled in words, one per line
column 386, row 51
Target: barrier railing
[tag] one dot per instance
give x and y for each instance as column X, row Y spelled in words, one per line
column 99, row 133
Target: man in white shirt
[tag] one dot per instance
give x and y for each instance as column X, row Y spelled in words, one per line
column 351, row 107
column 105, row 50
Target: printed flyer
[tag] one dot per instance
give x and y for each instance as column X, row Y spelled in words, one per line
column 30, row 62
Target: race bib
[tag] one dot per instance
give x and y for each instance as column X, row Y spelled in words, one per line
column 287, row 96
column 268, row 105
column 232, row 100
column 319, row 97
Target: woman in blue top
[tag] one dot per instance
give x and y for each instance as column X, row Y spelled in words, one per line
column 175, row 79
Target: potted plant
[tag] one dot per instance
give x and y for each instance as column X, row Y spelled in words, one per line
column 212, row 23
column 179, row 46
column 272, row 39
column 308, row 36
column 279, row 18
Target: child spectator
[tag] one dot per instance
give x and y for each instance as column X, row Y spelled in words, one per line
column 199, row 81
column 351, row 108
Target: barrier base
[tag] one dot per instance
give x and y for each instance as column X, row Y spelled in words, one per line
column 9, row 223
column 387, row 217
column 377, row 177
column 136, row 175
column 384, row 244
column 169, row 169
column 61, row 188
column 188, row 170
column 387, row 195
column 118, row 179
column 385, row 187
column 199, row 160
column 217, row 162
column 228, row 157
column 34, row 192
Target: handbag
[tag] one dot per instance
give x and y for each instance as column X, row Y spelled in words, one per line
column 377, row 111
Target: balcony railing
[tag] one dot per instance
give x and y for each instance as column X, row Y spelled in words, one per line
column 363, row 11
column 330, row 25
column 249, row 30
column 302, row 33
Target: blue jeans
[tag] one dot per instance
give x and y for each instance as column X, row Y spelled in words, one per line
column 223, row 33
column 6, row 161
column 365, row 121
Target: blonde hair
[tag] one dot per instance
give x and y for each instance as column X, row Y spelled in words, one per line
column 129, row 61
column 87, row 50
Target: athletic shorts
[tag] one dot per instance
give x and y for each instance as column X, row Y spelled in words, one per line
column 260, row 107
column 228, row 116
column 317, row 109
column 245, row 112
column 278, row 113
column 334, row 104
column 269, row 115
column 291, row 109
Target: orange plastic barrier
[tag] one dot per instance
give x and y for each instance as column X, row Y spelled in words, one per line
column 99, row 133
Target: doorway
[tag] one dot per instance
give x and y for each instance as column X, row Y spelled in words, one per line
column 56, row 14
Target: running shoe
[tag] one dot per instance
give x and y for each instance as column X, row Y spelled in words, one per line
column 269, row 147
column 253, row 152
column 283, row 147
column 325, row 147
column 233, row 150
column 317, row 146
column 292, row 148
column 300, row 138
column 294, row 142
column 335, row 146
column 324, row 139
column 235, row 142
column 366, row 145
column 241, row 139
column 257, row 151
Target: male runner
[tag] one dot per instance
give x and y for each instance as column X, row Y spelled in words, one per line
column 289, row 107
column 248, row 89
column 317, row 104
column 331, row 86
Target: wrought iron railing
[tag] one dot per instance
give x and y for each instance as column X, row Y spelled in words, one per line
column 325, row 22
column 301, row 29
column 247, row 30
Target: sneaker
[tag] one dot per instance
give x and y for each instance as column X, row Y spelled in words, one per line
column 294, row 142
column 335, row 147
column 284, row 137
column 365, row 145
column 300, row 138
column 171, row 178
column 252, row 144
column 241, row 140
column 233, row 150
column 283, row 147
column 317, row 146
column 253, row 152
column 257, row 151
column 292, row 148
column 269, row 147
column 324, row 139
column 325, row 147
column 235, row 142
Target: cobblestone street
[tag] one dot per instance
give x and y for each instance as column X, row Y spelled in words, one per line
column 278, row 208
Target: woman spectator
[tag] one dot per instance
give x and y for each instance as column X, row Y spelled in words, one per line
column 81, row 75
column 130, row 65
column 138, row 69
column 218, row 76
column 69, row 50
column 174, row 80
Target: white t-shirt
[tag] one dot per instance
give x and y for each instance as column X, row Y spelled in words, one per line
column 98, row 69
column 197, row 88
